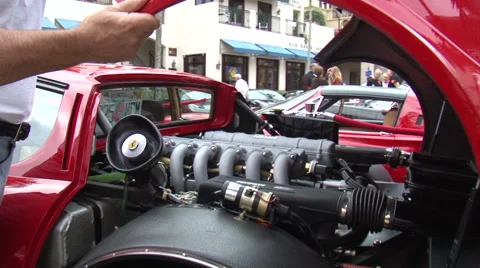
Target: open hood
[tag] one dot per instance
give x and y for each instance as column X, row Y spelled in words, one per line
column 359, row 41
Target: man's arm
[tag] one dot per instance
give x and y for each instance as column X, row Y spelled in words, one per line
column 110, row 35
column 28, row 53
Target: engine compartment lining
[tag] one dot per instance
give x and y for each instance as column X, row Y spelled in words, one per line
column 209, row 233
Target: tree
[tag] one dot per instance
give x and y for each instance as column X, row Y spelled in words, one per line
column 318, row 16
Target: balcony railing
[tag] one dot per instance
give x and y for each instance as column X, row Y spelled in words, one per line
column 295, row 28
column 267, row 22
column 344, row 14
column 234, row 16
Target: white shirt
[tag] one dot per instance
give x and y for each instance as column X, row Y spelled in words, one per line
column 16, row 99
column 242, row 87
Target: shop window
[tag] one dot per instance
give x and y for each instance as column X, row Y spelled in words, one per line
column 194, row 64
column 267, row 74
column 294, row 73
column 232, row 65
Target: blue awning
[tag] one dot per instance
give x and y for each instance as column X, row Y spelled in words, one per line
column 66, row 24
column 48, row 25
column 277, row 51
column 301, row 54
column 244, row 47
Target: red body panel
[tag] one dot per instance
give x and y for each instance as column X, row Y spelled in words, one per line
column 40, row 187
column 440, row 34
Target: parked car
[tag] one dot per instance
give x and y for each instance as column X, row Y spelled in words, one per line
column 262, row 98
column 292, row 93
column 397, row 107
column 126, row 196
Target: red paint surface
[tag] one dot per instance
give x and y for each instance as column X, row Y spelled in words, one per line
column 38, row 189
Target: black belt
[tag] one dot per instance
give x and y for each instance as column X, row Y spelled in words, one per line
column 18, row 132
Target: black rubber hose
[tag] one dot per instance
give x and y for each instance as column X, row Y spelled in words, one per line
column 364, row 155
column 366, row 208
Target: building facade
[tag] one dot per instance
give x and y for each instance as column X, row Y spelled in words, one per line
column 264, row 41
column 353, row 73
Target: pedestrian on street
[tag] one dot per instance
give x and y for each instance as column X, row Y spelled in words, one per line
column 110, row 35
column 375, row 80
column 335, row 76
column 319, row 80
column 308, row 77
column 241, row 85
column 395, row 80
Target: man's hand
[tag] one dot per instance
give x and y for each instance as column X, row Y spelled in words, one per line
column 111, row 35
column 115, row 33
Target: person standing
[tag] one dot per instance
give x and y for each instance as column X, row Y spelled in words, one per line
column 308, row 77
column 375, row 80
column 110, row 35
column 241, row 85
column 395, row 80
column 319, row 80
column 335, row 77
column 386, row 80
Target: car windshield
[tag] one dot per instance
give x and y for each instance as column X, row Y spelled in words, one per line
column 265, row 95
column 290, row 102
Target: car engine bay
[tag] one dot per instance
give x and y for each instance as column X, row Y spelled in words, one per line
column 225, row 199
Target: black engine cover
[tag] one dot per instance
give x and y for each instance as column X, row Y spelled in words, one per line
column 198, row 236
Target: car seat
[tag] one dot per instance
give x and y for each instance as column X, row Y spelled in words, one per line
column 153, row 110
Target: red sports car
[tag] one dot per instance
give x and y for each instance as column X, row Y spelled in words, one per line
column 213, row 192
column 393, row 107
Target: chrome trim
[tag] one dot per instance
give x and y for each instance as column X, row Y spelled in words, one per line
column 386, row 220
column 343, row 212
column 158, row 252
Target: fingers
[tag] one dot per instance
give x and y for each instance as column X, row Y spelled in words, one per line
column 129, row 5
column 144, row 21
